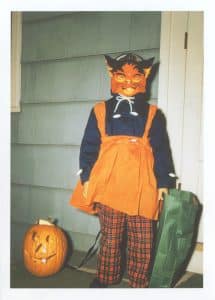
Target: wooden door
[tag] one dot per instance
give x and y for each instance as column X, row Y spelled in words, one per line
column 180, row 97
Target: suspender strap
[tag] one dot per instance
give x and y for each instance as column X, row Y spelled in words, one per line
column 90, row 253
column 100, row 113
column 151, row 114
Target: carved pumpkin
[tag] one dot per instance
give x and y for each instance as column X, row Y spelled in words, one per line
column 44, row 249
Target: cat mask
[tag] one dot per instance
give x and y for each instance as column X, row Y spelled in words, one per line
column 128, row 73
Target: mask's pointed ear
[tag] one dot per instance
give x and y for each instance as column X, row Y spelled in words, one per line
column 111, row 63
column 147, row 72
column 147, row 66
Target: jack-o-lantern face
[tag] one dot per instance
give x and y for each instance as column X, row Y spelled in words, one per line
column 128, row 81
column 45, row 248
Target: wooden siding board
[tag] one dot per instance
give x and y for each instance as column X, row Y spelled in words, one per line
column 90, row 34
column 15, row 126
column 72, row 80
column 113, row 32
column 64, row 125
column 56, row 39
column 55, row 124
column 48, row 166
column 81, row 241
column 45, row 202
column 65, row 80
column 71, row 220
column 36, row 16
column 17, row 234
column 20, row 203
column 143, row 26
column 30, row 203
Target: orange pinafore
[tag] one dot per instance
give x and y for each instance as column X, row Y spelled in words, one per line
column 122, row 177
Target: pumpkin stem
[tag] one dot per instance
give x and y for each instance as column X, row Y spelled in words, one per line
column 45, row 222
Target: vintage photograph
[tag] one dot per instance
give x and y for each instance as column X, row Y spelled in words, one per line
column 106, row 149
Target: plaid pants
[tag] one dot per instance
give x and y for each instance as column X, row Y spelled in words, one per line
column 139, row 243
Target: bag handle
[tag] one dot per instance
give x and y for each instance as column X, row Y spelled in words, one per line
column 177, row 181
column 90, row 253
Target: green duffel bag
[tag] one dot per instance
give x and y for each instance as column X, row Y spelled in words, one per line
column 175, row 237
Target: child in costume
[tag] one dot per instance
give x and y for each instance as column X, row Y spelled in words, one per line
column 125, row 168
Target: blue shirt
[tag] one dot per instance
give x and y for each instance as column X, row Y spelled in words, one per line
column 130, row 125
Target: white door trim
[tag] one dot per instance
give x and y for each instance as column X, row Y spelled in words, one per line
column 180, row 98
column 16, row 49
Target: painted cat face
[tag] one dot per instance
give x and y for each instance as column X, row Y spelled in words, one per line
column 128, row 75
column 128, row 81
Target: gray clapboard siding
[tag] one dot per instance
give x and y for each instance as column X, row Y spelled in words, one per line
column 17, row 235
column 90, row 33
column 29, row 17
column 63, row 80
column 64, row 125
column 48, row 166
column 81, row 241
column 141, row 33
column 78, row 79
column 31, row 203
column 58, row 123
column 71, row 220
column 20, row 208
column 14, row 122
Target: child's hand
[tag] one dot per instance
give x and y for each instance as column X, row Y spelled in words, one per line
column 85, row 189
column 161, row 193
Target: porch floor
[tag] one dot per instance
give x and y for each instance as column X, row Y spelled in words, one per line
column 71, row 278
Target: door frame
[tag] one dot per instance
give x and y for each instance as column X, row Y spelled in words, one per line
column 177, row 94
